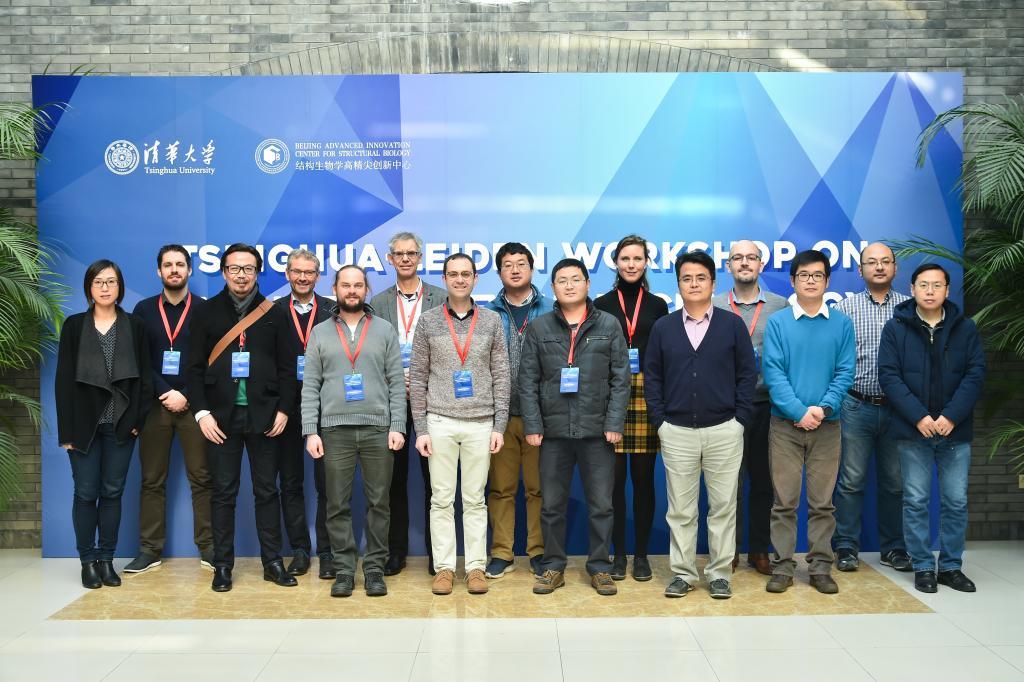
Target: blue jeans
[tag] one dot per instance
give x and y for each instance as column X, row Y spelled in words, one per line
column 917, row 458
column 864, row 434
column 99, row 476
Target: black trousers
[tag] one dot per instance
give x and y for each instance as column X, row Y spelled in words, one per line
column 293, row 499
column 759, row 500
column 225, row 464
column 641, row 470
column 398, row 532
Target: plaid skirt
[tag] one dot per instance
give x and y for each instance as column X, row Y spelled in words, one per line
column 639, row 437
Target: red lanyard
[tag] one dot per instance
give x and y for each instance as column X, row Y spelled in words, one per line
column 631, row 326
column 309, row 325
column 408, row 321
column 241, row 343
column 757, row 312
column 181, row 320
column 572, row 336
column 463, row 353
column 359, row 346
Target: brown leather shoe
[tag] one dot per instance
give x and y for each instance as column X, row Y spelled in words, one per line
column 760, row 562
column 443, row 582
column 476, row 582
column 548, row 582
column 603, row 583
column 735, row 561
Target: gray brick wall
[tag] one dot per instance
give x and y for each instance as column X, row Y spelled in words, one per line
column 982, row 38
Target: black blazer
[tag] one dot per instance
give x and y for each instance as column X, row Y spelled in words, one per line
column 324, row 309
column 271, row 384
column 80, row 405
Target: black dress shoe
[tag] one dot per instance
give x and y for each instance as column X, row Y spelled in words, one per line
column 374, row 584
column 924, row 581
column 642, row 569
column 957, row 580
column 394, row 565
column 327, row 571
column 107, row 573
column 274, row 573
column 343, row 586
column 299, row 564
column 221, row 579
column 618, row 571
column 91, row 576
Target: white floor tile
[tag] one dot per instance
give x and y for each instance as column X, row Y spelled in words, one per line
column 619, row 666
column 785, row 666
column 633, row 634
column 179, row 667
column 1014, row 655
column 353, row 636
column 895, row 630
column 68, row 667
column 994, row 593
column 508, row 635
column 218, row 636
column 83, row 636
column 12, row 560
column 761, row 632
column 488, row 666
column 294, row 667
column 936, row 663
column 1001, row 628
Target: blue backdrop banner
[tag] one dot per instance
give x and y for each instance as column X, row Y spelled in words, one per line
column 565, row 163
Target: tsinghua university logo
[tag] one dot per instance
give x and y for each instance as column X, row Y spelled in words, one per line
column 121, row 157
column 272, row 156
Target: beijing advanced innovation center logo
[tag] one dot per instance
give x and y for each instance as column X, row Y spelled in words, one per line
column 272, row 156
column 121, row 157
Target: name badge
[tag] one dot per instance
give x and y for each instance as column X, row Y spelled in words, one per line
column 570, row 382
column 463, row 383
column 406, row 354
column 300, row 367
column 757, row 360
column 354, row 388
column 172, row 363
column 240, row 365
column 634, row 360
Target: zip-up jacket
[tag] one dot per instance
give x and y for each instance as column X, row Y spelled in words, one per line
column 538, row 305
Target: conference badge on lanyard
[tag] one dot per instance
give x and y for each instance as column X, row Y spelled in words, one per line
column 407, row 322
column 753, row 325
column 353, row 382
column 462, row 379
column 171, row 363
column 569, row 382
column 634, row 353
column 300, row 361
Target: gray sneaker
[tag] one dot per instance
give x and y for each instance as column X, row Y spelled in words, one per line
column 846, row 560
column 677, row 588
column 720, row 589
column 141, row 563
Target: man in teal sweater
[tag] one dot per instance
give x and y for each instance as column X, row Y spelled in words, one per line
column 809, row 362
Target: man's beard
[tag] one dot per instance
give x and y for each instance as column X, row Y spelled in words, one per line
column 176, row 287
column 351, row 307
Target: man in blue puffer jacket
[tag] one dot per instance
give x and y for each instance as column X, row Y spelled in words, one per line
column 931, row 366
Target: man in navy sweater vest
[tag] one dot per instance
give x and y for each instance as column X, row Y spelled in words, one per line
column 699, row 384
column 810, row 355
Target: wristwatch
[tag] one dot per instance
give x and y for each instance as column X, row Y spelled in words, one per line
column 827, row 410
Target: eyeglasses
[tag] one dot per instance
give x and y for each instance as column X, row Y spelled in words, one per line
column 810, row 276
column 874, row 263
column 739, row 258
column 303, row 273
column 399, row 255
column 237, row 269
column 465, row 274
column 564, row 282
column 931, row 286
column 105, row 283
column 518, row 265
column 699, row 279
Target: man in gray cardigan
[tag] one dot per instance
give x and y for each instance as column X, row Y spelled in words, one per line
column 354, row 394
column 402, row 305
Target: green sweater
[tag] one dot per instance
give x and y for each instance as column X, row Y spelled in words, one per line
column 380, row 363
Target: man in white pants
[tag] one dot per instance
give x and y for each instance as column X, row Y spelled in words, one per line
column 459, row 389
column 699, row 384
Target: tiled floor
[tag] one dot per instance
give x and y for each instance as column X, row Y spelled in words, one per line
column 977, row 638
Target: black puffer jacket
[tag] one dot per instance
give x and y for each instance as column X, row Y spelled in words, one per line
column 603, row 360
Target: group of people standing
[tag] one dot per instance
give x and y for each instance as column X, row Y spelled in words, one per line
column 728, row 388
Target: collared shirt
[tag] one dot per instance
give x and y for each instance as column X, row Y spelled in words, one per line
column 408, row 307
column 759, row 299
column 697, row 329
column 302, row 308
column 869, row 317
column 799, row 312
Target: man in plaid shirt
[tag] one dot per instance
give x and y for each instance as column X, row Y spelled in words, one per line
column 865, row 421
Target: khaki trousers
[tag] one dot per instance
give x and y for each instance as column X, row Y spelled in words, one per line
column 515, row 455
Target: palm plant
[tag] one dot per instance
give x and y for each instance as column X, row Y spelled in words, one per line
column 992, row 186
column 30, row 302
